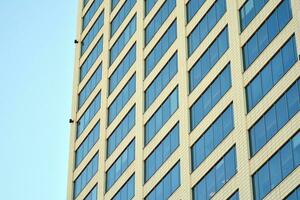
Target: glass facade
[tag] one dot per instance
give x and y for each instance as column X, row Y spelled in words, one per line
column 210, row 97
column 167, row 186
column 161, row 81
column 161, row 116
column 277, row 168
column 159, row 18
column 285, row 108
column 208, row 59
column 86, row 175
column 212, row 137
column 207, row 23
column 93, row 194
column 121, row 100
column 267, row 32
column 90, row 13
column 160, row 48
column 120, row 165
column 149, row 5
column 217, row 177
column 127, row 190
column 162, row 152
column 272, row 72
column 121, row 131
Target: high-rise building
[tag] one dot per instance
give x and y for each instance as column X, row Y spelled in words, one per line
column 186, row 99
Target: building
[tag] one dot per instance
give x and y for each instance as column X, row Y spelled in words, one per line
column 186, row 99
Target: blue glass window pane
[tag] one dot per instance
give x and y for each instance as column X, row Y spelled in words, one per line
column 296, row 149
column 286, row 155
column 282, row 111
column 275, row 170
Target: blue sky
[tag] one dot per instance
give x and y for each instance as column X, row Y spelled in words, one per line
column 36, row 63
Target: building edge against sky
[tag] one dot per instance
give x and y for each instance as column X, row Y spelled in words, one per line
column 186, row 99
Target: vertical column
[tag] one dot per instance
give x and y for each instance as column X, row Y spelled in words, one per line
column 239, row 102
column 104, row 92
column 139, row 168
column 183, row 102
column 74, row 105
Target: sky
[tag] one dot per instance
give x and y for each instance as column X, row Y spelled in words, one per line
column 36, row 66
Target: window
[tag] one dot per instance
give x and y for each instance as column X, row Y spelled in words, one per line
column 212, row 137
column 217, row 177
column 127, row 190
column 122, row 69
column 274, row 119
column 91, row 59
column 120, row 165
column 121, row 131
column 121, row 15
column 92, row 195
column 121, row 100
column 159, row 118
column 206, row 24
column 114, row 3
column 85, row 176
column 267, row 32
column 162, row 152
column 92, row 33
column 90, row 13
column 204, row 104
column 149, row 5
column 161, row 81
column 90, row 86
column 249, row 10
column 204, row 64
column 88, row 114
column 123, row 39
column 192, row 7
column 167, row 186
column 277, row 168
column 159, row 18
column 87, row 144
column 85, row 2
column 160, row 48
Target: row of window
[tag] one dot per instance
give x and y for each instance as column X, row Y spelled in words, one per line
column 217, row 177
column 161, row 116
column 87, row 144
column 122, row 69
column 121, row 100
column 167, row 186
column 207, row 23
column 85, row 2
column 127, row 190
column 274, row 70
column 161, row 81
column 88, row 114
column 161, row 48
column 275, row 118
column 277, row 168
column 149, row 5
column 90, row 13
column 121, row 15
column 86, row 175
column 162, row 152
column 249, row 10
column 92, row 195
column 159, row 18
column 90, row 86
column 92, row 33
column 209, row 58
column 192, row 8
column 210, row 97
column 121, row 131
column 267, row 32
column 91, row 59
column 295, row 195
column 120, row 165
column 123, row 39
column 212, row 137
